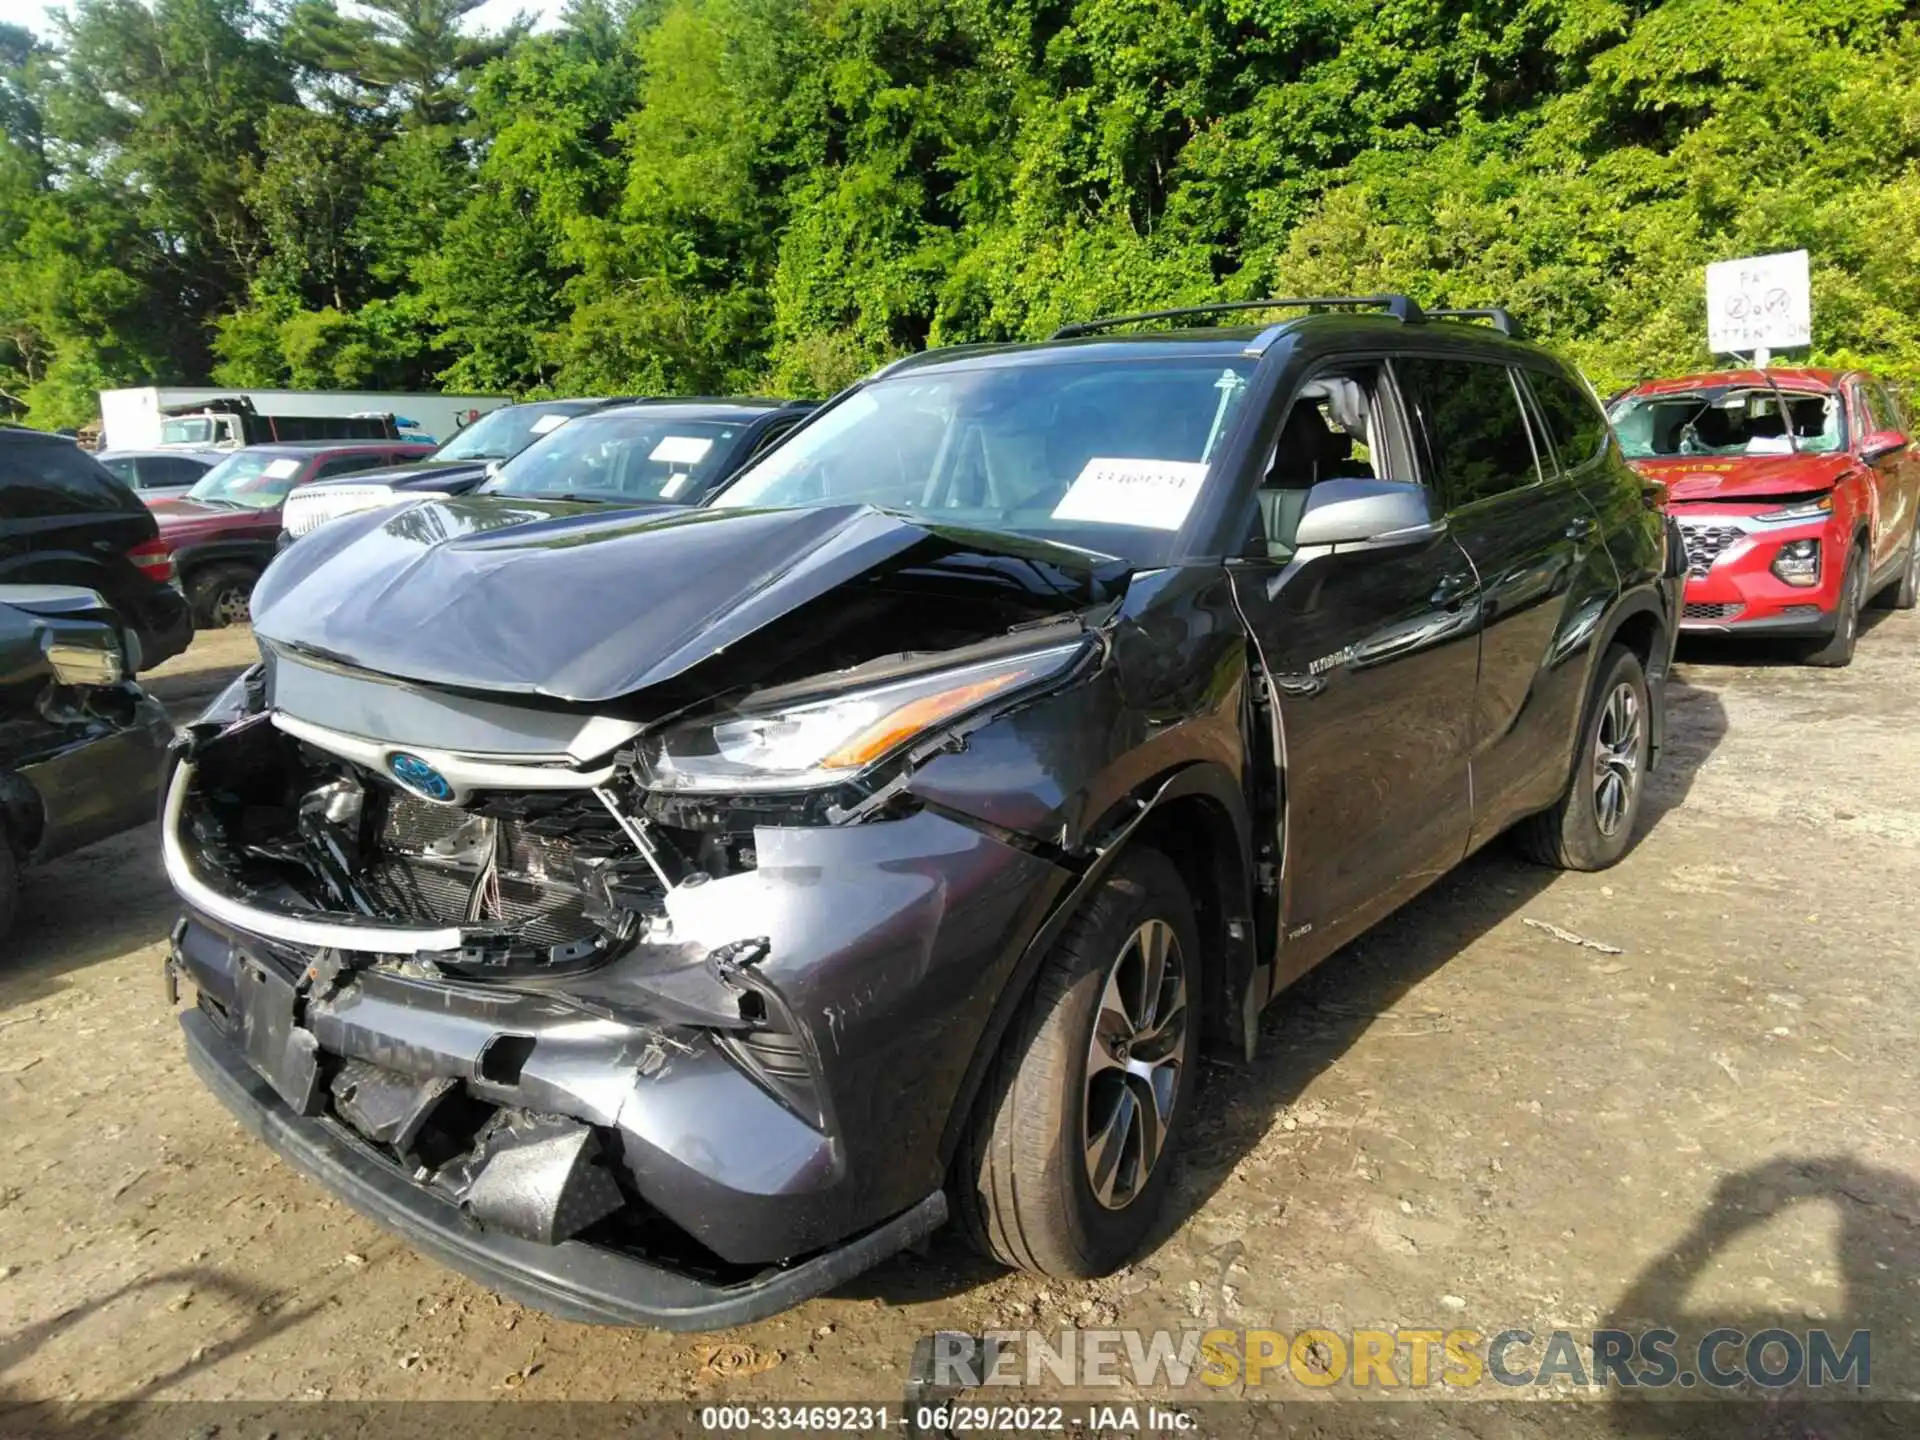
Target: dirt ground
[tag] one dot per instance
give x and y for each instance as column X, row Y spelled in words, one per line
column 1464, row 1120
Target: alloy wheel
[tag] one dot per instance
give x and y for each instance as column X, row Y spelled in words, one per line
column 1616, row 759
column 231, row 606
column 1134, row 1064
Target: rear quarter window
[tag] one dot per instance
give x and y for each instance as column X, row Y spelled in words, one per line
column 39, row 479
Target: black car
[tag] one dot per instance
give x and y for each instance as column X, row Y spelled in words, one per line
column 80, row 745
column 66, row 521
column 488, row 452
column 663, row 917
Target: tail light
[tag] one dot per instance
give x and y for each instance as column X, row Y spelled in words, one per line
column 154, row 560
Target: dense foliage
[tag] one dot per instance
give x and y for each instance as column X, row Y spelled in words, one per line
column 725, row 195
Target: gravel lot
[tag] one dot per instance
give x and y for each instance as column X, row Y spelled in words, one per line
column 1465, row 1119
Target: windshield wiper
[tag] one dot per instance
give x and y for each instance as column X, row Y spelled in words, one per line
column 584, row 497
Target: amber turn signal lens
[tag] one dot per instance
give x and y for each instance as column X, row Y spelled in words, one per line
column 900, row 725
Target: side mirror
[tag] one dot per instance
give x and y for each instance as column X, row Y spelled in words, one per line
column 1368, row 515
column 1881, row 443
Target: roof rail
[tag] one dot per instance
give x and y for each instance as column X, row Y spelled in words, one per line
column 1492, row 314
column 1398, row 306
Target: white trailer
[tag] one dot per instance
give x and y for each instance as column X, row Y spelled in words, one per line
column 142, row 418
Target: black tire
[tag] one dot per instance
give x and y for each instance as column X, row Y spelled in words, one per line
column 1592, row 825
column 1023, row 1188
column 9, row 884
column 1836, row 651
column 219, row 595
column 1904, row 593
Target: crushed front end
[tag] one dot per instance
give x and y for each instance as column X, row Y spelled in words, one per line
column 633, row 1045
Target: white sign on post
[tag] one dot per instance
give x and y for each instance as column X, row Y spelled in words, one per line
column 1764, row 302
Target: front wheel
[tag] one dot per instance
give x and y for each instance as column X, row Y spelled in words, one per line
column 1064, row 1164
column 1837, row 650
column 1592, row 825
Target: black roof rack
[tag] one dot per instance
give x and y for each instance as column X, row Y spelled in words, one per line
column 1398, row 306
column 1492, row 314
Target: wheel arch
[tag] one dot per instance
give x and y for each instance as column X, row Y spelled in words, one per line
column 1640, row 623
column 1197, row 816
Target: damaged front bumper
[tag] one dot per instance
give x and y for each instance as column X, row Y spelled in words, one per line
column 573, row 1280
column 734, row 1106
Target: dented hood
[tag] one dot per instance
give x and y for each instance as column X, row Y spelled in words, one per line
column 1745, row 477
column 581, row 603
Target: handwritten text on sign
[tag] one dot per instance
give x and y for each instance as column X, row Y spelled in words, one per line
column 1763, row 301
column 1153, row 494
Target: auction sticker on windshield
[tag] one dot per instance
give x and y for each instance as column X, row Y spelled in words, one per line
column 681, row 449
column 1153, row 494
column 281, row 469
column 549, row 422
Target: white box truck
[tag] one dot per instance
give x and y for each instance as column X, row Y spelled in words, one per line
column 163, row 417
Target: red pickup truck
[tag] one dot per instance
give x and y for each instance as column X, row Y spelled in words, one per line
column 1798, row 492
column 225, row 530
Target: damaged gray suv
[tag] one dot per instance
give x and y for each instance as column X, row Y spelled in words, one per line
column 663, row 915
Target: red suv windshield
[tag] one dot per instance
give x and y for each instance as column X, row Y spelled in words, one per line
column 1730, row 421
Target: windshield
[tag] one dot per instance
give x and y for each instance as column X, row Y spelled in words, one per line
column 621, row 458
column 1106, row 455
column 1729, row 421
column 248, row 480
column 501, row 434
column 186, row 432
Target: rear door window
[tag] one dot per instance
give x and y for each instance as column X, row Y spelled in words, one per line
column 1577, row 428
column 348, row 465
column 1477, row 440
column 160, row 472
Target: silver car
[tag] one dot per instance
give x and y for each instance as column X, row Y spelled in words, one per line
column 159, row 474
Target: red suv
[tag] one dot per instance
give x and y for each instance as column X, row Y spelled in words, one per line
column 1798, row 493
column 226, row 529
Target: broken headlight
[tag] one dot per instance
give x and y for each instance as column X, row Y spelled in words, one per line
column 825, row 741
column 81, row 658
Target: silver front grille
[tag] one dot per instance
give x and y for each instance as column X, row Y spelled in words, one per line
column 1705, row 544
column 308, row 509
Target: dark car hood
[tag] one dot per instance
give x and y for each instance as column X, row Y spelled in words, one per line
column 425, row 474
column 581, row 603
column 1745, row 477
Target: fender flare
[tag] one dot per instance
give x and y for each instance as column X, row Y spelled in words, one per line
column 1235, row 985
column 255, row 554
column 1640, row 601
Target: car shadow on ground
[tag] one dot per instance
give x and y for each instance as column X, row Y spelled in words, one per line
column 1878, row 1253
column 256, row 1315
column 1729, row 650
column 1316, row 1021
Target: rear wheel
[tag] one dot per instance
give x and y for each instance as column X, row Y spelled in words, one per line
column 220, row 595
column 9, row 884
column 1592, row 825
column 1064, row 1164
column 1904, row 593
column 1837, row 650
